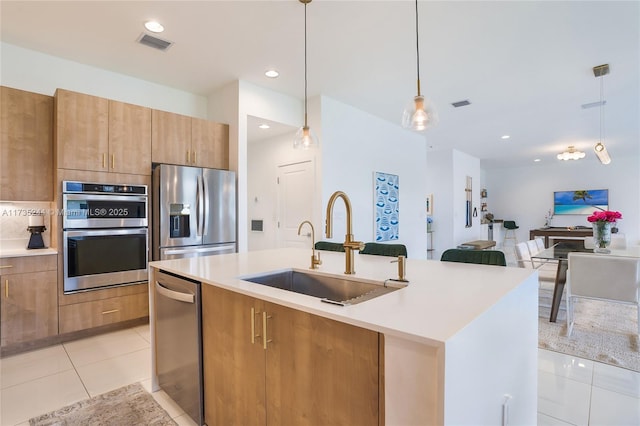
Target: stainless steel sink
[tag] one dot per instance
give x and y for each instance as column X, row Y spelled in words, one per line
column 336, row 290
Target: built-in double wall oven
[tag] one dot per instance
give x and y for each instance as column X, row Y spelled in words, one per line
column 105, row 235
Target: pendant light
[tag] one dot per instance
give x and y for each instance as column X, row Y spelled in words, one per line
column 305, row 138
column 419, row 114
column 600, row 150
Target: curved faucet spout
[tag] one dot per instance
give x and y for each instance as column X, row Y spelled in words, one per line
column 347, row 203
column 315, row 259
column 349, row 244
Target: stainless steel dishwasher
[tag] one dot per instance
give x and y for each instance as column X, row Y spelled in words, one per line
column 178, row 316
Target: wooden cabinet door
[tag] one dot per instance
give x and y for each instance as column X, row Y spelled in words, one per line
column 209, row 144
column 234, row 367
column 82, row 131
column 29, row 308
column 319, row 371
column 129, row 138
column 170, row 138
column 26, row 146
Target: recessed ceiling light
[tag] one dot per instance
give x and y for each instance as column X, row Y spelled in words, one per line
column 271, row 73
column 264, row 126
column 505, row 137
column 537, row 160
column 154, row 26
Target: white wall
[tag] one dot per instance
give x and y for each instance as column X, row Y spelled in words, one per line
column 234, row 103
column 354, row 146
column 526, row 194
column 40, row 73
column 447, row 172
column 263, row 160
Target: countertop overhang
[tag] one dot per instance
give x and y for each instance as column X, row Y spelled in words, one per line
column 441, row 299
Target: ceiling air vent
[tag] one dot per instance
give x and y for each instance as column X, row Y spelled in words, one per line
column 155, row 42
column 461, row 103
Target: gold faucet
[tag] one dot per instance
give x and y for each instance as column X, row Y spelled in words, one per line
column 349, row 244
column 315, row 258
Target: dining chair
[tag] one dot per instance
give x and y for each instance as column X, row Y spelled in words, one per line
column 510, row 231
column 602, row 277
column 482, row 257
column 329, row 246
column 546, row 271
column 540, row 243
column 379, row 249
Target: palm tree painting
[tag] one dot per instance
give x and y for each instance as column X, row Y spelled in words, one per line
column 580, row 202
column 581, row 195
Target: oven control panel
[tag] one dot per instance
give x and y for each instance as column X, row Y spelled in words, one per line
column 101, row 188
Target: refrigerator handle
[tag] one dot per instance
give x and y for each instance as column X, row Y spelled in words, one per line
column 199, row 207
column 207, row 205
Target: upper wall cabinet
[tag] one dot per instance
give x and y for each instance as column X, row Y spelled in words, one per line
column 98, row 134
column 178, row 139
column 26, row 146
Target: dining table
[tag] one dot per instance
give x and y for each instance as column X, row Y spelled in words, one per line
column 560, row 253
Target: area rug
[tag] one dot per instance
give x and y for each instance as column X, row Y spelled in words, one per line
column 129, row 405
column 603, row 331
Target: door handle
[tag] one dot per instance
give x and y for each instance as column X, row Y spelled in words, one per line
column 175, row 295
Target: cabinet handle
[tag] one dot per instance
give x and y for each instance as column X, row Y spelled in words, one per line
column 188, row 156
column 6, row 266
column 253, row 326
column 113, row 161
column 110, row 312
column 6, row 289
column 194, row 158
column 104, row 160
column 264, row 330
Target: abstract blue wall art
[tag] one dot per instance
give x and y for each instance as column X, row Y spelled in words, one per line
column 386, row 191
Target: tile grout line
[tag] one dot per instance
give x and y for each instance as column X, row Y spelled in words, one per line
column 76, row 370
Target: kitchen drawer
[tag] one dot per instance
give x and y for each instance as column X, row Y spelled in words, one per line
column 28, row 264
column 81, row 316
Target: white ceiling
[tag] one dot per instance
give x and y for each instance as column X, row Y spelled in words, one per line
column 526, row 67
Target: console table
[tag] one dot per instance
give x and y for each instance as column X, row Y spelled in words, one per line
column 559, row 232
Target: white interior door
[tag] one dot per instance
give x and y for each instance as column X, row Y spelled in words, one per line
column 296, row 188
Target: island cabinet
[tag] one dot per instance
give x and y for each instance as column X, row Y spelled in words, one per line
column 266, row 364
column 189, row 141
column 98, row 134
column 29, row 308
column 26, row 146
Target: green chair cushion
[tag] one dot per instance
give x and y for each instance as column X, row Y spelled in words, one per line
column 379, row 249
column 329, row 246
column 482, row 257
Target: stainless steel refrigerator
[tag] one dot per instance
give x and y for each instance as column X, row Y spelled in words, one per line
column 194, row 212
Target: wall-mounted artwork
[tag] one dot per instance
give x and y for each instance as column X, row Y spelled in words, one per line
column 386, row 191
column 580, row 202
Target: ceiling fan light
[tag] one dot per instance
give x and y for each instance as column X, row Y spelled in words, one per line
column 602, row 153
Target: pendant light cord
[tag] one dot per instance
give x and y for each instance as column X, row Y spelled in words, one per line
column 417, row 49
column 601, row 108
column 305, row 65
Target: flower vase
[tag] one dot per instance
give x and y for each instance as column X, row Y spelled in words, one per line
column 601, row 237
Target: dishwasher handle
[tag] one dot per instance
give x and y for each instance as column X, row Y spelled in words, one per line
column 175, row 295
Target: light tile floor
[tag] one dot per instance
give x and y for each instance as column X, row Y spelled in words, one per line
column 571, row 390
column 44, row 380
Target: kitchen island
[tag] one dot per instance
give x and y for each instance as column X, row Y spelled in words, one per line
column 458, row 344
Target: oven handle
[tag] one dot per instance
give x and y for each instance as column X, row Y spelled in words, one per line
column 175, row 295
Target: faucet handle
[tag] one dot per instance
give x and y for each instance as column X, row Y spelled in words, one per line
column 315, row 261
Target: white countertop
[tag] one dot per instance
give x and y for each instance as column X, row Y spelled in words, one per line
column 18, row 248
column 441, row 299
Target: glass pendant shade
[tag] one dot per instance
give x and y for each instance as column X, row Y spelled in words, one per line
column 602, row 154
column 305, row 138
column 419, row 115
